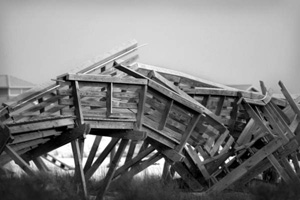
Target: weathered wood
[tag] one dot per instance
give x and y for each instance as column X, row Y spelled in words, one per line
column 112, row 169
column 79, row 175
column 131, row 150
column 125, row 134
column 105, row 79
column 279, row 168
column 58, row 141
column 109, row 110
column 89, row 173
column 5, row 136
column 289, row 99
column 19, row 160
column 92, row 154
column 187, row 177
column 141, row 106
column 35, row 135
column 40, row 125
column 188, row 132
column 40, row 164
column 243, row 168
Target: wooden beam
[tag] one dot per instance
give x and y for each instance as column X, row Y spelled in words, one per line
column 105, row 79
column 165, row 114
column 79, row 175
column 243, row 168
column 19, row 160
column 5, row 136
column 188, row 131
column 141, row 106
column 58, row 141
column 289, row 99
column 188, row 178
column 125, row 134
column 112, row 169
column 92, row 154
column 101, row 158
column 131, row 150
column 279, row 168
column 40, row 164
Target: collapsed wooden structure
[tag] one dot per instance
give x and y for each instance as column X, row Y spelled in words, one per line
column 212, row 135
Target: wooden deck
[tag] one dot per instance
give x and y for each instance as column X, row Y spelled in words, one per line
column 212, row 135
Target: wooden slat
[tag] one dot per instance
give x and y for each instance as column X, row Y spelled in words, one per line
column 141, row 106
column 105, row 79
column 34, row 126
column 125, row 134
column 188, row 132
column 59, row 141
column 35, row 135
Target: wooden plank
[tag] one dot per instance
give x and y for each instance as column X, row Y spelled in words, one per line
column 220, row 105
column 89, row 173
column 195, row 157
column 125, row 134
column 279, row 168
column 218, row 143
column 290, row 171
column 141, row 106
column 109, row 110
column 61, row 140
column 135, row 169
column 188, row 178
column 77, row 102
column 188, row 132
column 112, row 170
column 243, row 168
column 289, row 98
column 5, row 136
column 287, row 149
column 35, row 135
column 114, row 54
column 246, row 134
column 112, row 124
column 131, row 149
column 19, row 160
column 92, row 154
column 40, row 164
column 34, row 126
column 105, row 79
column 79, row 175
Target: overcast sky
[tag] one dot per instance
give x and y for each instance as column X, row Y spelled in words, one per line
column 227, row 41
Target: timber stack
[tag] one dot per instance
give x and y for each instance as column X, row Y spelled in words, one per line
column 213, row 136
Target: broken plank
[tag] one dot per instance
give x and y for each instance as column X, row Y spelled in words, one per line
column 105, row 79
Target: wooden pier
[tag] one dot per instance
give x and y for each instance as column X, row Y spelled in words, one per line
column 213, row 136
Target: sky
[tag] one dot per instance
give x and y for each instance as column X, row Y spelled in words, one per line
column 226, row 41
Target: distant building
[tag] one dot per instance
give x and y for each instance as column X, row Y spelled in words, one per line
column 11, row 86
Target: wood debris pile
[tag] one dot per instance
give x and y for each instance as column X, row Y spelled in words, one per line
column 213, row 136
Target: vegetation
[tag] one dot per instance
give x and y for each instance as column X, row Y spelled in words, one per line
column 61, row 187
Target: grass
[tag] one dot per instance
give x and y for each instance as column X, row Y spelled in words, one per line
column 61, row 187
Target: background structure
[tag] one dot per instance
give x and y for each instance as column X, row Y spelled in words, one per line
column 231, row 42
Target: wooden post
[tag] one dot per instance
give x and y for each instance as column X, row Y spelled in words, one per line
column 112, row 169
column 92, row 153
column 19, row 160
column 78, row 168
column 101, row 158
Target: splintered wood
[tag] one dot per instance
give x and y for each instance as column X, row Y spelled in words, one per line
column 213, row 136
